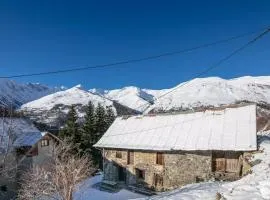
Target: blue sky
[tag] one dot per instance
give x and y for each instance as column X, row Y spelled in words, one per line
column 39, row 36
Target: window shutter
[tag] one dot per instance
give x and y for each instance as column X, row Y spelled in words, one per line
column 130, row 157
column 160, row 158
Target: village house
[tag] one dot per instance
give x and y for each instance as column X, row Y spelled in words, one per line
column 165, row 151
column 22, row 146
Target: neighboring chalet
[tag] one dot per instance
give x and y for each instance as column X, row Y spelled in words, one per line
column 22, row 146
column 165, row 151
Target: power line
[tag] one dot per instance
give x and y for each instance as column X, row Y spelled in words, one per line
column 134, row 60
column 215, row 65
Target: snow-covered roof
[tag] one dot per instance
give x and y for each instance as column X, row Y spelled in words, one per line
column 17, row 132
column 27, row 139
column 225, row 129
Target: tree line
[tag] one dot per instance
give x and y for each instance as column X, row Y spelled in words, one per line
column 84, row 135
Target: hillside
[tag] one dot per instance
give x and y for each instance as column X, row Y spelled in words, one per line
column 13, row 94
column 198, row 93
column 132, row 97
column 52, row 109
column 214, row 91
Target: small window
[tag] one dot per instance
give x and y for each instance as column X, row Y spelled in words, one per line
column 44, row 142
column 3, row 188
column 118, row 154
column 140, row 174
column 160, row 159
column 1, row 168
column 34, row 151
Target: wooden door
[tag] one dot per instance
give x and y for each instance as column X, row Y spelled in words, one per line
column 121, row 174
column 218, row 162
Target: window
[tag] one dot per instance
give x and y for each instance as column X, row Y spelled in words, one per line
column 160, row 159
column 34, row 151
column 130, row 159
column 140, row 174
column 118, row 154
column 1, row 168
column 3, row 188
column 44, row 142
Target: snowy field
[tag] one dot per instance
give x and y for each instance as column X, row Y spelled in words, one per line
column 255, row 186
column 87, row 192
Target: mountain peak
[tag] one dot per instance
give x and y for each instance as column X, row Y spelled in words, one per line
column 79, row 86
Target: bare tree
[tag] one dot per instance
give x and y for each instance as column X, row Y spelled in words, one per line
column 8, row 162
column 58, row 180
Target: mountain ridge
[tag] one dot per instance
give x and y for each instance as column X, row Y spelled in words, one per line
column 194, row 94
column 13, row 94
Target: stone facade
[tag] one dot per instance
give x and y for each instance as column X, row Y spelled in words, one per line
column 177, row 169
column 186, row 167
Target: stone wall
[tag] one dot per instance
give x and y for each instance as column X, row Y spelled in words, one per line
column 180, row 168
column 186, row 167
column 111, row 163
column 142, row 160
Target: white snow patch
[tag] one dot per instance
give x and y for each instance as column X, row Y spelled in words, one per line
column 86, row 191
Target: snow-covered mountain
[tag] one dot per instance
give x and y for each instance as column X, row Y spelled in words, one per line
column 52, row 109
column 132, row 97
column 200, row 92
column 197, row 93
column 15, row 94
column 214, row 91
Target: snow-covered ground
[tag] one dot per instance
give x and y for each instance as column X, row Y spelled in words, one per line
column 255, row 186
column 87, row 192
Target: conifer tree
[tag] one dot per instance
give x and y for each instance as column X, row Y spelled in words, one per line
column 88, row 129
column 100, row 128
column 100, row 115
column 110, row 117
column 71, row 129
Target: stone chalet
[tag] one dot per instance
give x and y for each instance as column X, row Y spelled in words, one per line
column 165, row 151
column 22, row 146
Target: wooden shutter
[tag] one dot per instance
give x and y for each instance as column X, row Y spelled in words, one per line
column 130, row 157
column 160, row 159
column 232, row 162
column 219, row 165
